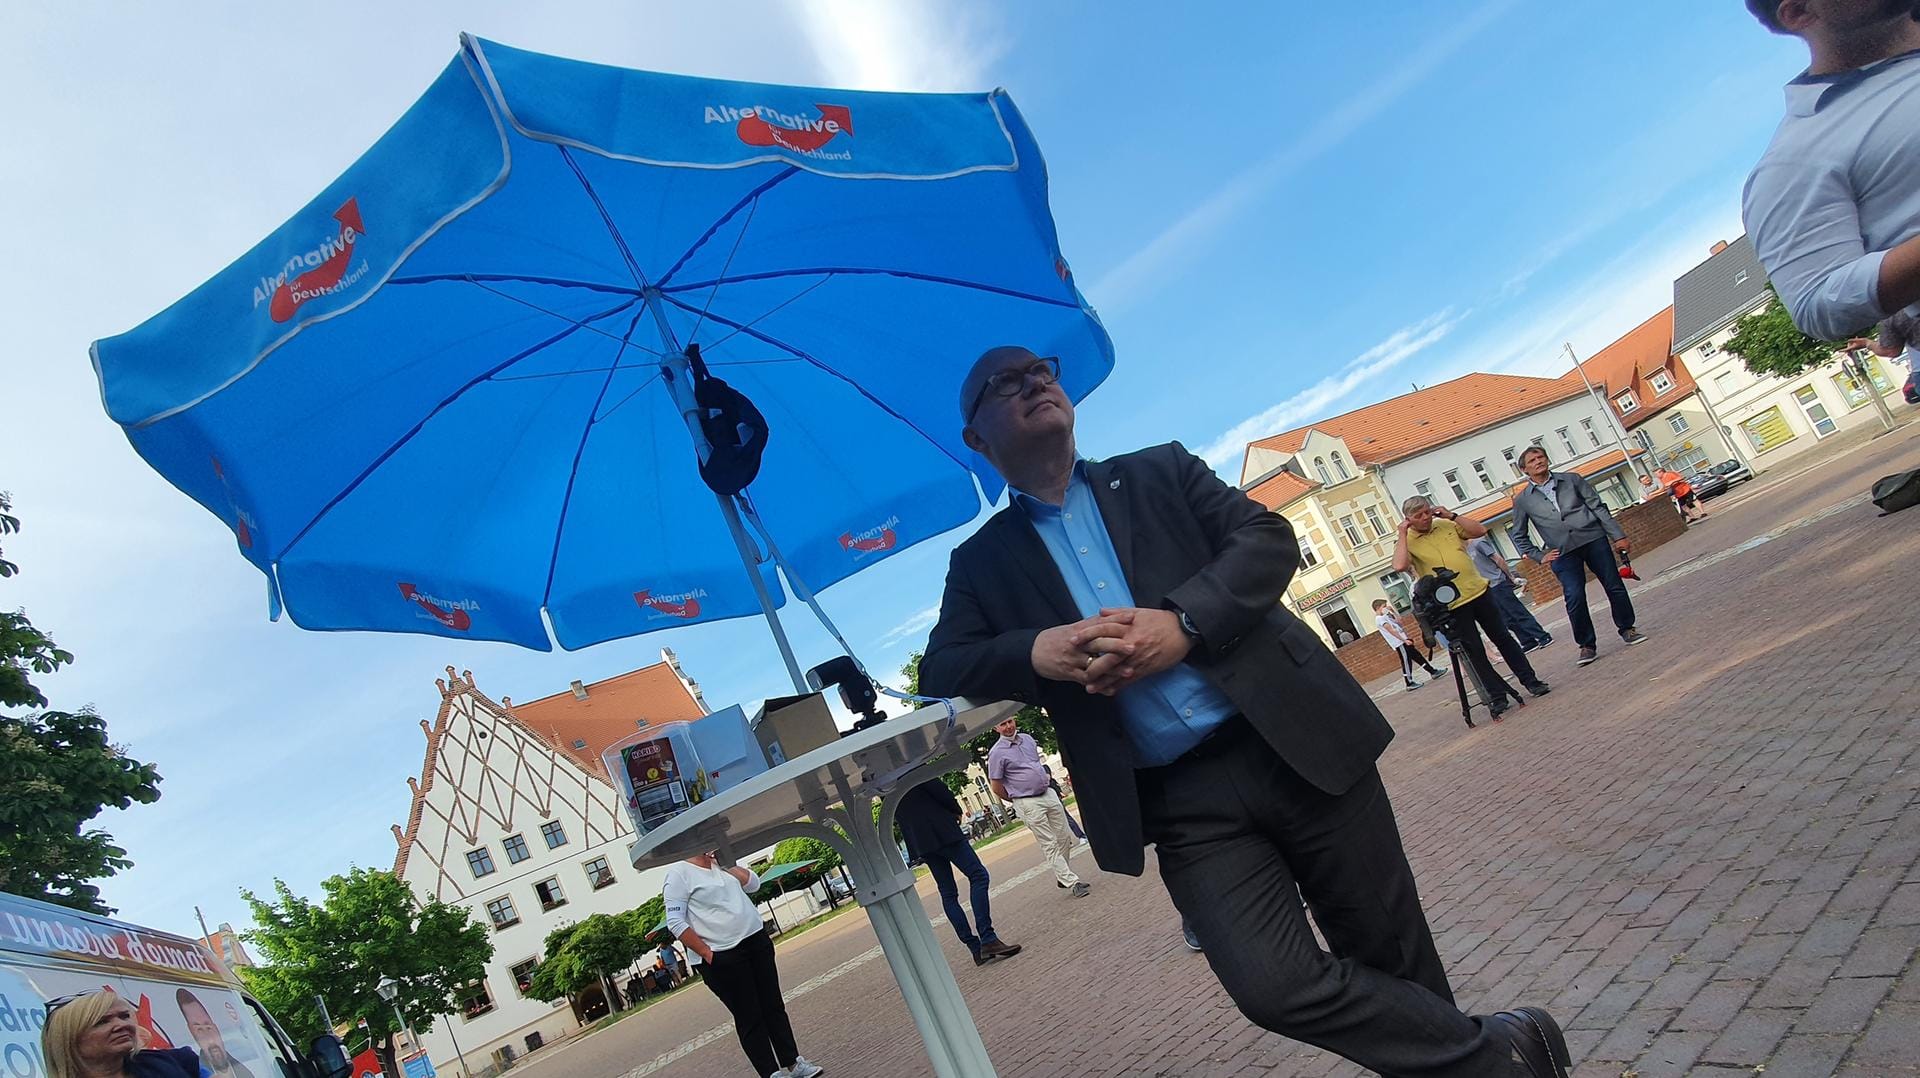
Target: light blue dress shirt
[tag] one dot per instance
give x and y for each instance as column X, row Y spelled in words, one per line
column 1168, row 713
column 1836, row 190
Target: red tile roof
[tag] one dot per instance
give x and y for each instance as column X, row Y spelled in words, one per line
column 1280, row 489
column 1628, row 362
column 1415, row 422
column 611, row 710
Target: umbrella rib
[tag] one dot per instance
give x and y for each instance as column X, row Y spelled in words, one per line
column 510, row 297
column 750, row 197
column 573, row 473
column 606, row 218
column 768, row 275
column 857, row 387
column 763, row 316
column 528, row 278
column 436, row 410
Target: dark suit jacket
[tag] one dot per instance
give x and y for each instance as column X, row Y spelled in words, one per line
column 929, row 818
column 1187, row 540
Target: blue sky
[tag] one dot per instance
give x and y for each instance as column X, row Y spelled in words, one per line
column 1280, row 214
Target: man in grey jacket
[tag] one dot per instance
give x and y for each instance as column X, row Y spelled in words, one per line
column 1577, row 532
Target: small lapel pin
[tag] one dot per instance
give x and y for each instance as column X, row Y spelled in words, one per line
column 1115, row 485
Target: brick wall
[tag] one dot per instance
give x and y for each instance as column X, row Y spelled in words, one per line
column 1370, row 659
column 1648, row 525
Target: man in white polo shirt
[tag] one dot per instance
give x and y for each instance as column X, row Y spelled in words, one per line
column 1834, row 204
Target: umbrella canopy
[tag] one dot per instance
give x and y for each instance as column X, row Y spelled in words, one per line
column 450, row 395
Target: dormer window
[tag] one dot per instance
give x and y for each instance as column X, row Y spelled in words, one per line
column 1320, row 466
column 1660, row 381
column 1626, row 403
column 1340, row 465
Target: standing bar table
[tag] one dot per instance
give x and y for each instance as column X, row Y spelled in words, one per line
column 830, row 794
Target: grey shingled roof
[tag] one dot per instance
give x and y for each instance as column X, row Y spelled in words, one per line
column 1707, row 297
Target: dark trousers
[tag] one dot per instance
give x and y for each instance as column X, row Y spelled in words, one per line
column 940, row 865
column 1408, row 658
column 1571, row 567
column 1483, row 613
column 744, row 978
column 1241, row 840
column 1525, row 627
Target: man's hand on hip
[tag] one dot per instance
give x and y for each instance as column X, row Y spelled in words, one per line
column 1073, row 652
column 1547, row 557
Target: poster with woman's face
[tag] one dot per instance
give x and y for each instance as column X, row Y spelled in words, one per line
column 212, row 1020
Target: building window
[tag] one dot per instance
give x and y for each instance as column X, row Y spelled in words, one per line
column 1399, row 590
column 1454, row 484
column 1307, row 557
column 555, row 835
column 1340, row 465
column 1320, row 466
column 474, row 999
column 502, row 911
column 1353, row 532
column 1767, row 430
column 1626, row 403
column 1374, row 522
column 1513, row 462
column 1740, row 277
column 516, row 848
column 579, row 742
column 1645, row 440
column 1660, row 381
column 480, row 861
column 1539, row 440
column 1708, row 349
column 1424, row 488
column 1592, row 435
column 598, row 873
column 1816, row 411
column 1724, row 381
column 1486, row 480
column 522, row 974
column 1567, row 441
column 549, row 893
column 1678, row 422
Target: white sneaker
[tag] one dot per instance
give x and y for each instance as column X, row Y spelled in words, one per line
column 803, row 1069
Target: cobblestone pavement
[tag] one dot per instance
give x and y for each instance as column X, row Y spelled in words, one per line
column 1702, row 854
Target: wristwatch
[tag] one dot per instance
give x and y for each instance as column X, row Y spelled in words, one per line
column 1187, row 626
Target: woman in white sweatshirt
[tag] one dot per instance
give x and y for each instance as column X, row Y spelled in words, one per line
column 710, row 909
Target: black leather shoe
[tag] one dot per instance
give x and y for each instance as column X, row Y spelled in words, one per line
column 1537, row 1042
column 1539, row 688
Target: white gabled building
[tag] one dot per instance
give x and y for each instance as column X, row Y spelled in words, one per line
column 513, row 817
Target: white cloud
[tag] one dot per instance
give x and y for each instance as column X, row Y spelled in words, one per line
column 900, row 44
column 1180, row 241
column 914, row 626
column 1316, row 400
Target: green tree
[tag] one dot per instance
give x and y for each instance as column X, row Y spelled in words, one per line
column 368, row 926
column 1768, row 342
column 589, row 952
column 57, row 771
column 1033, row 722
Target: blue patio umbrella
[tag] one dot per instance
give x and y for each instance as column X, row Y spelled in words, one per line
column 473, row 387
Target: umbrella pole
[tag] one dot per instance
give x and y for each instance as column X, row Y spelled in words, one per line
column 679, row 380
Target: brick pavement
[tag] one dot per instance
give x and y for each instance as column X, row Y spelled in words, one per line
column 1702, row 854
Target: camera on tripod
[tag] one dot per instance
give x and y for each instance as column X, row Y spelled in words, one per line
column 1433, row 599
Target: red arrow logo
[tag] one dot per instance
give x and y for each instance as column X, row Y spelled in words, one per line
column 810, row 136
column 884, row 541
column 690, row 608
column 452, row 617
column 315, row 282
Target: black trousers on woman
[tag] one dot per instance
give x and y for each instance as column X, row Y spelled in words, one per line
column 744, row 978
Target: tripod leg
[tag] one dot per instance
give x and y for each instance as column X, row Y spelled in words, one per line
column 1457, row 658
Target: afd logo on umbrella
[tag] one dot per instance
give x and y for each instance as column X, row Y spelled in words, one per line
column 684, row 606
column 758, row 125
column 875, row 540
column 322, row 271
column 455, row 614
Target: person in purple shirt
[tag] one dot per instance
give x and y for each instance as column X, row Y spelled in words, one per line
column 1020, row 778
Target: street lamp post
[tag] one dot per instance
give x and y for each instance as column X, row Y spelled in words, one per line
column 390, row 991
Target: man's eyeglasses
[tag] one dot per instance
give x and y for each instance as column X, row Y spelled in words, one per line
column 1012, row 381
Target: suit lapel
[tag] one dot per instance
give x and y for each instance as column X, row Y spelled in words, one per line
column 1116, row 509
column 1025, row 550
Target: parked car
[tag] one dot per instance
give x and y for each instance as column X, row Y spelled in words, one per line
column 1911, row 390
column 1732, row 471
column 1707, row 484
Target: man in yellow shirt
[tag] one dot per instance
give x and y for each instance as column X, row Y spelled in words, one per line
column 1433, row 537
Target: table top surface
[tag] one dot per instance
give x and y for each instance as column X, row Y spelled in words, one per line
column 870, row 762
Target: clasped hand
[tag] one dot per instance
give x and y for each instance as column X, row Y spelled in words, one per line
column 1111, row 650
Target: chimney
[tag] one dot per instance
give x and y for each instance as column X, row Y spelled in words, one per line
column 579, row 690
column 1717, row 248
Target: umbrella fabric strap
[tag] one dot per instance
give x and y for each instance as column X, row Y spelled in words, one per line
column 752, row 517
